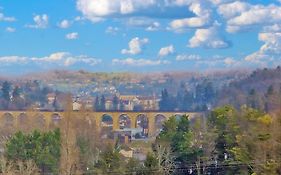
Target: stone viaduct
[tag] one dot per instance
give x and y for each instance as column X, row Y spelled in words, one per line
column 16, row 118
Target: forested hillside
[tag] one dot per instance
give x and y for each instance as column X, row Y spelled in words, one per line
column 260, row 90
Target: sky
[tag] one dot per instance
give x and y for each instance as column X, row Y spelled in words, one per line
column 138, row 35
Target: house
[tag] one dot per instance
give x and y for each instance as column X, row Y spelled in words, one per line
column 51, row 98
column 149, row 103
column 128, row 102
column 126, row 153
column 76, row 106
column 108, row 104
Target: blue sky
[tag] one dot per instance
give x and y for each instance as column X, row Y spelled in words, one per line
column 138, row 35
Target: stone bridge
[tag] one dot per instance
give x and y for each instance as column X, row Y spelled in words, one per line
column 47, row 119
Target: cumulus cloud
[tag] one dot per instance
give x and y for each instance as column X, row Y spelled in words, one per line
column 208, row 38
column 139, row 62
column 41, row 22
column 269, row 51
column 72, row 36
column 135, row 46
column 203, row 17
column 7, row 18
column 97, row 10
column 59, row 59
column 241, row 16
column 64, row 24
column 10, row 29
column 186, row 57
column 165, row 51
column 231, row 10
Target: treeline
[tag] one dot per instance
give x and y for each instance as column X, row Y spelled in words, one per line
column 261, row 90
column 21, row 96
column 201, row 98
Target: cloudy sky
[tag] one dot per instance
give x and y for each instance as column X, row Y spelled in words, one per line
column 138, row 35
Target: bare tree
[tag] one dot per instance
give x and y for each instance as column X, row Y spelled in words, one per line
column 204, row 140
column 166, row 160
column 69, row 160
column 18, row 167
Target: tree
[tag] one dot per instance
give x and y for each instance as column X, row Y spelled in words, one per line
column 187, row 101
column 115, row 102
column 6, row 90
column 223, row 120
column 102, row 103
column 97, row 104
column 257, row 142
column 164, row 102
column 69, row 159
column 176, row 134
column 42, row 148
column 150, row 164
column 203, row 139
column 18, row 167
column 166, row 160
column 110, row 160
column 133, row 166
column 17, row 101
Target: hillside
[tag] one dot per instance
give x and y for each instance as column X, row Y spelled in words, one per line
column 261, row 89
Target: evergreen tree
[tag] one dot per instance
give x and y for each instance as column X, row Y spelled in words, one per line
column 97, row 104
column 115, row 103
column 102, row 103
column 6, row 89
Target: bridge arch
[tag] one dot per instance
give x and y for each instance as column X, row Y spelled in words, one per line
column 106, row 126
column 142, row 122
column 23, row 121
column 40, row 121
column 159, row 120
column 8, row 120
column 56, row 120
column 124, row 121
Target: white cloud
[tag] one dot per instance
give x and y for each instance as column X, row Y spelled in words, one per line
column 13, row 60
column 203, row 17
column 258, row 14
column 96, row 10
column 64, row 24
column 185, row 57
column 41, row 22
column 269, row 51
column 193, row 22
column 165, row 51
column 218, row 2
column 252, row 16
column 81, row 59
column 272, row 28
column 72, row 36
column 7, row 19
column 208, row 38
column 10, row 29
column 155, row 26
column 229, row 61
column 135, row 46
column 112, row 30
column 139, row 62
column 231, row 10
column 58, row 59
